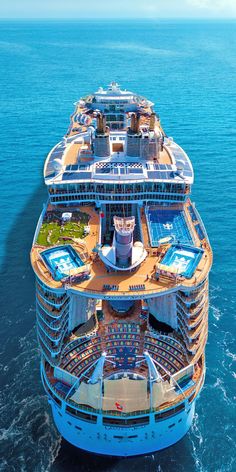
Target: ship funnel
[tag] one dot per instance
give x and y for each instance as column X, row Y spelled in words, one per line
column 135, row 123
column 102, row 141
column 101, row 123
column 152, row 122
column 133, row 136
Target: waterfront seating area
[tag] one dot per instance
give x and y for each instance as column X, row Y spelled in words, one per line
column 123, row 342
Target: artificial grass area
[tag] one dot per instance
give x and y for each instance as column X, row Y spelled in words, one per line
column 52, row 233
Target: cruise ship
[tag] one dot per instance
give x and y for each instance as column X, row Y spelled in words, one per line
column 121, row 259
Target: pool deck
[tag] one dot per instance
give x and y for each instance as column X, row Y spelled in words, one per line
column 99, row 275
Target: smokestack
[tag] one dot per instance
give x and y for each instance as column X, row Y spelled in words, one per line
column 133, row 136
column 152, row 122
column 133, row 123
column 101, row 123
column 102, row 141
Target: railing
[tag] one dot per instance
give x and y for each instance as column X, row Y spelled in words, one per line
column 201, row 222
column 55, row 292
column 191, row 331
column 189, row 342
column 193, row 296
column 56, row 314
column 127, row 191
column 190, row 227
column 169, row 198
column 54, row 325
column 116, row 413
column 39, row 224
column 48, row 297
column 193, row 322
column 191, row 312
column 48, row 344
column 56, row 336
column 45, row 352
column 140, row 225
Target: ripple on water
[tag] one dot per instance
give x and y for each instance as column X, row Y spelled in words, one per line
column 27, row 429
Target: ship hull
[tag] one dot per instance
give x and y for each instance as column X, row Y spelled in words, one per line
column 123, row 442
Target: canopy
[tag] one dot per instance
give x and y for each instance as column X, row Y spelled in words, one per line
column 125, row 395
column 88, row 394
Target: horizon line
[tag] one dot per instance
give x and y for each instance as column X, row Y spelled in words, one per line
column 117, row 18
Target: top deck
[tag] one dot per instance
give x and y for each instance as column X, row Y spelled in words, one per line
column 154, row 157
column 142, row 282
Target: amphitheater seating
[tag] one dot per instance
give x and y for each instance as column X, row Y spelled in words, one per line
column 79, row 367
column 119, row 337
column 124, row 327
column 123, row 342
column 166, row 351
column 78, row 348
column 123, row 355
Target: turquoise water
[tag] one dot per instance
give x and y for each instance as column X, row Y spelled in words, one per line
column 183, row 258
column 61, row 260
column 188, row 69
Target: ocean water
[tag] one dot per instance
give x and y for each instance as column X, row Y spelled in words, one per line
column 188, row 69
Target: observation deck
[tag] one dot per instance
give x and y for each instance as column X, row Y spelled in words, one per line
column 142, row 282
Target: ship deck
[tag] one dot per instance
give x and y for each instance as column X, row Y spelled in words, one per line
column 124, row 342
column 142, row 281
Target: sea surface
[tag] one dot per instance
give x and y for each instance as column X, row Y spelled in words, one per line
column 189, row 70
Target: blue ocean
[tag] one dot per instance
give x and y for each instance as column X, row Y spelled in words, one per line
column 188, row 68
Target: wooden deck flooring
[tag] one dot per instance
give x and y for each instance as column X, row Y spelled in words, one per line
column 144, row 274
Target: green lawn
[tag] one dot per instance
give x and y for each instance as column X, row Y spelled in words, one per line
column 52, row 233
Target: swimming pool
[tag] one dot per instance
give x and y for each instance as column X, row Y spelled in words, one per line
column 183, row 258
column 167, row 223
column 62, row 261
